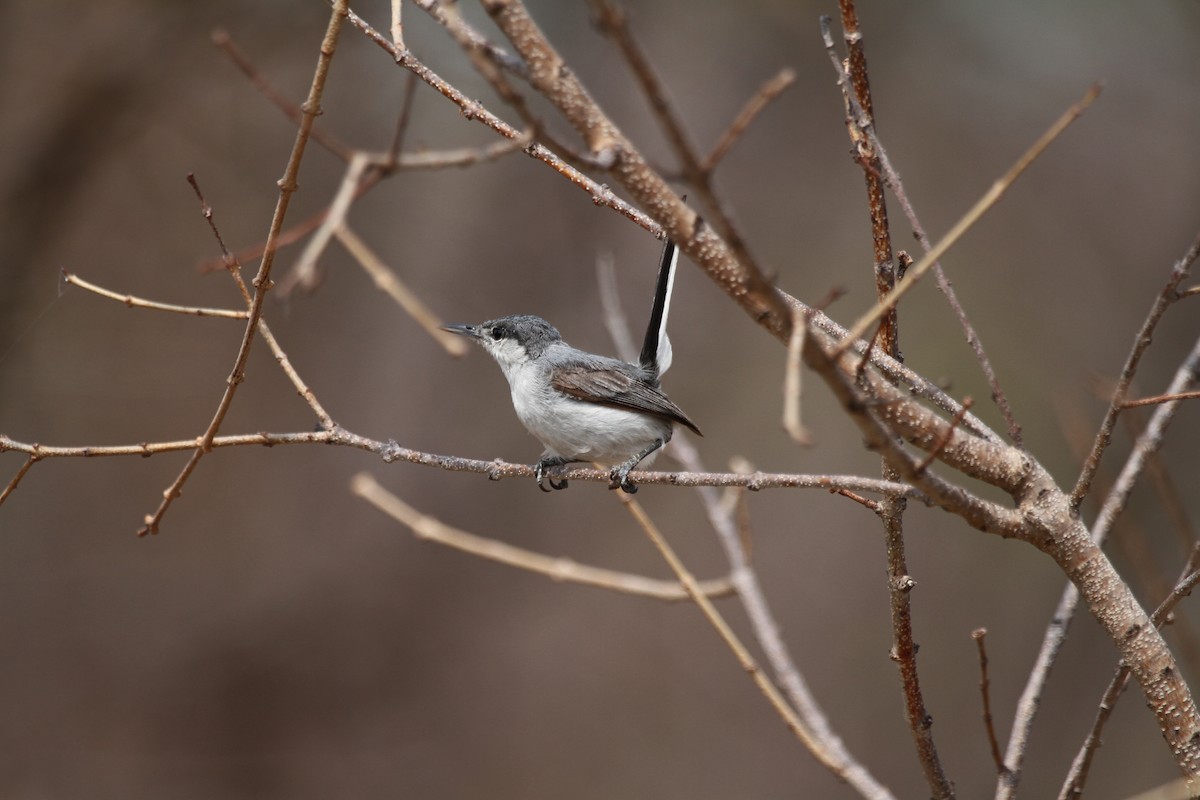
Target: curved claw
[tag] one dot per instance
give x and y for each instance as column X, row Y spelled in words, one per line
column 541, row 471
column 620, row 480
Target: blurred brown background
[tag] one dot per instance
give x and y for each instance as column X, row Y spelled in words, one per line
column 281, row 639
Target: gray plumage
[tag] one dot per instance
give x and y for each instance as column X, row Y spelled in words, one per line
column 585, row 407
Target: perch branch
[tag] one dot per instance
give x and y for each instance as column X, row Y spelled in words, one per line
column 495, row 469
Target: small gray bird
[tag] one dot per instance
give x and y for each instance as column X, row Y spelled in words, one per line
column 585, row 407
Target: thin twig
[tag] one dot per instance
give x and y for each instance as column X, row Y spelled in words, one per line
column 766, row 94
column 495, row 53
column 727, row 513
column 791, row 385
column 1157, row 399
column 16, row 479
column 744, row 659
column 133, row 301
column 986, row 698
column 427, row 528
column 234, row 268
column 614, row 22
column 397, row 28
column 1166, row 297
column 989, row 199
column 402, row 122
column 427, row 160
column 305, row 274
column 614, row 314
column 600, row 195
column 262, row 281
column 943, row 283
column 386, row 279
column 221, row 38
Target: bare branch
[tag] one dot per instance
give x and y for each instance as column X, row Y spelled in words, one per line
column 791, row 385
column 235, row 271
column 767, row 630
column 1159, row 399
column 262, row 281
column 1166, row 297
column 944, row 286
column 600, row 195
column 979, row 634
column 981, row 207
column 305, row 274
column 387, row 280
column 137, row 302
column 747, row 662
column 1148, row 442
column 16, row 479
column 1077, row 776
column 495, row 469
column 427, row 528
column 222, row 39
column 766, row 94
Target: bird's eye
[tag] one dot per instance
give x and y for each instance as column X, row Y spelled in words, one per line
column 497, row 334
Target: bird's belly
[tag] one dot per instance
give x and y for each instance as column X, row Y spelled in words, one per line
column 583, row 431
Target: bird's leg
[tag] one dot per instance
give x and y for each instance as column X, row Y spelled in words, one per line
column 620, row 473
column 544, row 466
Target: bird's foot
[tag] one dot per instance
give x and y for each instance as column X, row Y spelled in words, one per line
column 542, row 470
column 620, row 478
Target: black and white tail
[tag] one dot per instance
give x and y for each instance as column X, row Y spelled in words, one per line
column 656, row 349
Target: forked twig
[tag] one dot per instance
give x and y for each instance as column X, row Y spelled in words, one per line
column 235, row 271
column 262, row 281
column 727, row 514
column 601, row 195
column 1141, row 342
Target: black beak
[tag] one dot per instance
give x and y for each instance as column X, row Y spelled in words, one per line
column 469, row 331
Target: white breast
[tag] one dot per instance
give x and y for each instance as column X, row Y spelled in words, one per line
column 579, row 430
